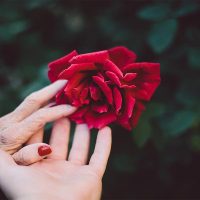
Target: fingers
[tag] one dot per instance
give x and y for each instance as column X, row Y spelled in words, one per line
column 32, row 153
column 35, row 100
column 36, row 121
column 102, row 149
column 36, row 138
column 80, row 146
column 59, row 139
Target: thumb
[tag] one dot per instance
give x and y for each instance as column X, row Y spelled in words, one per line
column 32, row 153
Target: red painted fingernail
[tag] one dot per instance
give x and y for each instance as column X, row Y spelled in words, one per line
column 44, row 150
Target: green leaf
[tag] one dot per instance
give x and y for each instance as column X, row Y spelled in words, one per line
column 142, row 133
column 162, row 35
column 176, row 124
column 186, row 8
column 154, row 12
column 194, row 58
column 195, row 142
column 143, row 130
column 124, row 163
column 10, row 30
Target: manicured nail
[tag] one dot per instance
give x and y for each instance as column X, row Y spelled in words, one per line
column 44, row 150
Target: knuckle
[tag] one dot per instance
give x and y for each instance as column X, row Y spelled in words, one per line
column 4, row 140
column 21, row 159
column 38, row 120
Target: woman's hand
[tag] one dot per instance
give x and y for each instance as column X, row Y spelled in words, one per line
column 25, row 125
column 54, row 177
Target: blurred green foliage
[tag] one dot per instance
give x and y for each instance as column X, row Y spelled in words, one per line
column 161, row 157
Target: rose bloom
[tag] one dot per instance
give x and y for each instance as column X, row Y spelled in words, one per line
column 106, row 86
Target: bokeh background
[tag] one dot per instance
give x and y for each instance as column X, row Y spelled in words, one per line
column 160, row 159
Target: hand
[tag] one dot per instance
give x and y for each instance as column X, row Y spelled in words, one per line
column 54, row 177
column 25, row 125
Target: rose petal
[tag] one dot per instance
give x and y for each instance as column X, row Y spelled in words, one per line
column 99, row 120
column 145, row 67
column 129, row 105
column 129, row 77
column 78, row 116
column 128, row 86
column 121, row 56
column 114, row 78
column 95, row 93
column 60, row 97
column 73, row 83
column 57, row 66
column 99, row 56
column 128, row 108
column 139, row 108
column 123, row 120
column 117, row 99
column 102, row 108
column 104, row 88
column 74, row 68
column 110, row 66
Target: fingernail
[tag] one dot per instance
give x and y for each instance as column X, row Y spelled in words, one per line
column 61, row 82
column 44, row 150
column 71, row 108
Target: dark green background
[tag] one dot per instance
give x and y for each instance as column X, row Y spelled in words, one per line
column 161, row 157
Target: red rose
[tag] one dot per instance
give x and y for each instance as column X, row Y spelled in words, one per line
column 106, row 86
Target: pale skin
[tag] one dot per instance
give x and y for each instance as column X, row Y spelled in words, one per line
column 25, row 175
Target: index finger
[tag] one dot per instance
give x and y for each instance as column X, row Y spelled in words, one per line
column 102, row 150
column 35, row 100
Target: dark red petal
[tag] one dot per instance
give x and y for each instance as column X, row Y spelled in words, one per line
column 78, row 116
column 102, row 108
column 110, row 66
column 99, row 57
column 94, row 92
column 129, row 77
column 123, row 120
column 145, row 90
column 60, row 97
column 126, row 124
column 129, row 105
column 99, row 120
column 128, row 86
column 151, row 77
column 73, row 83
column 121, row 56
column 117, row 99
column 104, row 88
column 139, row 108
column 114, row 78
column 84, row 93
column 57, row 66
column 74, row 68
column 145, row 67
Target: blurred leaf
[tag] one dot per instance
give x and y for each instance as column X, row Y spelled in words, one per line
column 142, row 133
column 123, row 163
column 155, row 12
column 10, row 30
column 162, row 35
column 195, row 142
column 40, row 81
column 178, row 123
column 186, row 8
column 143, row 130
column 188, row 92
column 194, row 58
